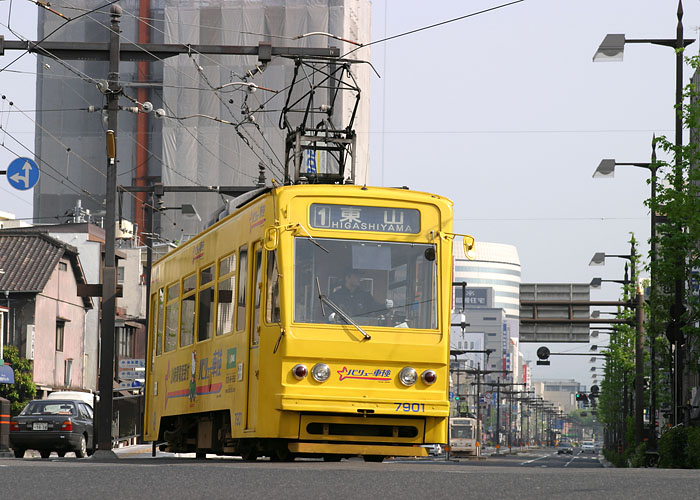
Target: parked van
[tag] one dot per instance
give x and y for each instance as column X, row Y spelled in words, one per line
column 85, row 397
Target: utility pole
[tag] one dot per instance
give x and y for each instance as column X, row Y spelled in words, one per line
column 478, row 410
column 479, row 372
column 109, row 270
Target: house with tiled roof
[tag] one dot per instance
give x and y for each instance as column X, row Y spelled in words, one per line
column 39, row 285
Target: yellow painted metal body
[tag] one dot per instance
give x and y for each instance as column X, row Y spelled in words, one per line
column 247, row 373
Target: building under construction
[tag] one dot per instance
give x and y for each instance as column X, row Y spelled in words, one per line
column 215, row 118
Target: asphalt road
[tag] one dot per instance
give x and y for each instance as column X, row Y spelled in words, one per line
column 536, row 475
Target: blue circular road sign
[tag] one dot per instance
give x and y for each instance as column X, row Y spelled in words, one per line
column 23, row 174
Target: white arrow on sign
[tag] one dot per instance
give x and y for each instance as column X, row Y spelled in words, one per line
column 26, row 168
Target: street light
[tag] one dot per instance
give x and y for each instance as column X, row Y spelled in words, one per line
column 606, row 168
column 597, row 282
column 612, row 50
column 599, row 258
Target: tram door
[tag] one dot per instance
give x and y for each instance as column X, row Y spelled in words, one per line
column 254, row 341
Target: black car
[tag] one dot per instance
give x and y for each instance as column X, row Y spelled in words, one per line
column 565, row 447
column 48, row 425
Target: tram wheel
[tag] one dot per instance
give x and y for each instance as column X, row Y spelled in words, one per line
column 201, row 455
column 250, row 455
column 332, row 458
column 373, row 458
column 282, row 455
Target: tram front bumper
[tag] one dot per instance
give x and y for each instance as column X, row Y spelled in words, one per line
column 331, row 404
column 358, row 449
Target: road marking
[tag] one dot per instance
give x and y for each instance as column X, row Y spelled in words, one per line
column 572, row 459
column 535, row 460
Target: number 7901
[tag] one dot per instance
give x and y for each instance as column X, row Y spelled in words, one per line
column 410, row 407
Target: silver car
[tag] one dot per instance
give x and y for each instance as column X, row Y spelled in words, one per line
column 588, row 446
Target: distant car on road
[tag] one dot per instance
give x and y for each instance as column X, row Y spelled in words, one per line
column 565, row 447
column 588, row 446
column 47, row 425
column 433, row 449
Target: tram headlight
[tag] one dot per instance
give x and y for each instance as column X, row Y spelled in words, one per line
column 299, row 372
column 320, row 372
column 408, row 376
column 429, row 377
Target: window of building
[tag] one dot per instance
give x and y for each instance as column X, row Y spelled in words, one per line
column 125, row 342
column 67, row 379
column 120, row 274
column 62, row 266
column 60, row 332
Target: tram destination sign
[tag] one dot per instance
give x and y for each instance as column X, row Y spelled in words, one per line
column 362, row 218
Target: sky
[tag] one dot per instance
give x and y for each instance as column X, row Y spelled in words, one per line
column 503, row 112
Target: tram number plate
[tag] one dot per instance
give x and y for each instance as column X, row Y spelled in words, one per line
column 410, row 407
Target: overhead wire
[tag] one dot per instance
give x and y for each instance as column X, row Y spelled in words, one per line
column 86, row 162
column 90, row 79
column 203, row 76
column 431, row 26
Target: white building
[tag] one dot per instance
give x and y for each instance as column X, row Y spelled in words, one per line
column 496, row 265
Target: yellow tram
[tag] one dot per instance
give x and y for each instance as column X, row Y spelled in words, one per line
column 311, row 320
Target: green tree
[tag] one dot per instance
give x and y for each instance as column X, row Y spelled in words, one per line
column 617, row 386
column 24, row 389
column 678, row 233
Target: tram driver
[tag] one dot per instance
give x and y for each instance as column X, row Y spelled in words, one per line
column 354, row 301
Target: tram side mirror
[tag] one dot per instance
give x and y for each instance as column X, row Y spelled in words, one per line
column 272, row 236
column 468, row 243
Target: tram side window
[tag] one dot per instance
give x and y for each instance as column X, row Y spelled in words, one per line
column 159, row 322
column 172, row 314
column 225, row 290
column 272, row 306
column 242, row 283
column 187, row 310
column 257, row 290
column 205, row 304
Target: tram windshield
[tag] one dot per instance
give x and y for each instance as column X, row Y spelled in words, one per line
column 462, row 431
column 373, row 283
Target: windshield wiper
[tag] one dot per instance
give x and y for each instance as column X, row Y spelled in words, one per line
column 325, row 300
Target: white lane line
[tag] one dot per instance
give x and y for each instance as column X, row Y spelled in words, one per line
column 534, row 460
column 572, row 459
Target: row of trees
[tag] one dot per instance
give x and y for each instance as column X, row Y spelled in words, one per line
column 672, row 307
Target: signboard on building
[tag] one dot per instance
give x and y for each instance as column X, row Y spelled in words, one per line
column 474, row 297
